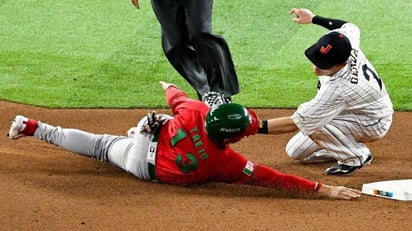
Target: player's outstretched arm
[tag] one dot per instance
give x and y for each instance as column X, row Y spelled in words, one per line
column 305, row 16
column 268, row 177
column 277, row 126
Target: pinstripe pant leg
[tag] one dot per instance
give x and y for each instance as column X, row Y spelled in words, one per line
column 301, row 146
column 339, row 139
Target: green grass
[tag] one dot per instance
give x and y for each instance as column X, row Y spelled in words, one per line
column 82, row 54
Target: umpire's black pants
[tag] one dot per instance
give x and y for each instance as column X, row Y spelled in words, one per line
column 202, row 58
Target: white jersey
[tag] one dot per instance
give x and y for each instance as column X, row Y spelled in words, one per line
column 356, row 93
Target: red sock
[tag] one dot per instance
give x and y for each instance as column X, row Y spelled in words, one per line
column 31, row 126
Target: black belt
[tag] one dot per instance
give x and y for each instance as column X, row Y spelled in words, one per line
column 151, row 156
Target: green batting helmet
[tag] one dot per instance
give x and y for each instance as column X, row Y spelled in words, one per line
column 227, row 121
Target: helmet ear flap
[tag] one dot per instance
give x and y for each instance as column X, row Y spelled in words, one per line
column 254, row 124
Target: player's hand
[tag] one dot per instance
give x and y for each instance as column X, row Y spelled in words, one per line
column 302, row 15
column 154, row 121
column 136, row 4
column 339, row 192
column 165, row 85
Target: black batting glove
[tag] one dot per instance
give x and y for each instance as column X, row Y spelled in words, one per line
column 154, row 122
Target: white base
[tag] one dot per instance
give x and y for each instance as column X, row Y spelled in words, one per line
column 392, row 189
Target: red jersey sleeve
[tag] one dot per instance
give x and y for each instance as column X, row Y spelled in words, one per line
column 268, row 177
column 242, row 171
column 174, row 96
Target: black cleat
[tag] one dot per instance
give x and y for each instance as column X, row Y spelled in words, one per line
column 344, row 170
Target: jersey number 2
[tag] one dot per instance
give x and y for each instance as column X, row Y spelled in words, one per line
column 367, row 71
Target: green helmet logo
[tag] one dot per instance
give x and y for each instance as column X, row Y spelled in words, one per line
column 227, row 121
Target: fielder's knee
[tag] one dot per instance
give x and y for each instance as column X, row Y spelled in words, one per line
column 293, row 153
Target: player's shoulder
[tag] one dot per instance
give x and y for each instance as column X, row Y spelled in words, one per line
column 352, row 32
column 350, row 25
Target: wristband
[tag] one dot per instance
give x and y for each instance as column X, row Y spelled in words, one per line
column 263, row 127
column 328, row 23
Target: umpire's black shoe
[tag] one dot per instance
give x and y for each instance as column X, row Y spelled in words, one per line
column 227, row 99
column 344, row 170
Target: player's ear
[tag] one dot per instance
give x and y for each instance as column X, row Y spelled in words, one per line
column 343, row 64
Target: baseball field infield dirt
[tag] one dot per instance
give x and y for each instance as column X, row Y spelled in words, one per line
column 43, row 187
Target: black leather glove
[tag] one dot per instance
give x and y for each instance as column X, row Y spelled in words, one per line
column 154, row 122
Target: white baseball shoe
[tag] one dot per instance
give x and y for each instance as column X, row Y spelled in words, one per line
column 22, row 126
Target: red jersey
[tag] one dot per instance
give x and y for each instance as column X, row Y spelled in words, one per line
column 185, row 155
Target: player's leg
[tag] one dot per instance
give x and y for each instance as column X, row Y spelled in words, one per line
column 120, row 151
column 77, row 141
column 133, row 157
column 123, row 152
column 337, row 136
column 212, row 50
column 130, row 154
column 73, row 140
column 176, row 44
column 367, row 131
column 300, row 146
column 216, row 59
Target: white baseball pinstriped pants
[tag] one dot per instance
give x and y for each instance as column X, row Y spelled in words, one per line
column 342, row 137
column 130, row 154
